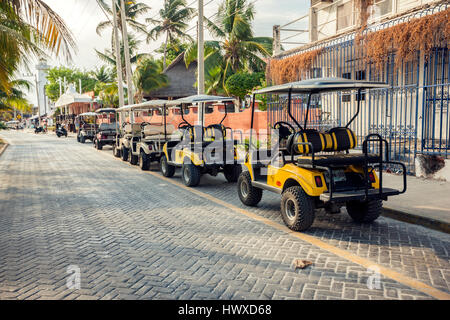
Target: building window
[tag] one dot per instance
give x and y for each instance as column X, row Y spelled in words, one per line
column 346, row 95
column 345, row 15
column 360, row 75
column 380, row 8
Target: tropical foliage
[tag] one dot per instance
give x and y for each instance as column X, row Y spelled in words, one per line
column 109, row 56
column 133, row 10
column 27, row 28
column 72, row 76
column 237, row 50
column 240, row 84
column 175, row 16
column 148, row 76
column 15, row 98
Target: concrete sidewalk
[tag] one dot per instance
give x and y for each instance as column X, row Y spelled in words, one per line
column 425, row 202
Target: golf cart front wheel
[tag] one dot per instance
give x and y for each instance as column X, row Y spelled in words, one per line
column 166, row 169
column 364, row 211
column 144, row 162
column 297, row 209
column 133, row 158
column 232, row 172
column 124, row 154
column 190, row 174
column 82, row 139
column 116, row 152
column 249, row 195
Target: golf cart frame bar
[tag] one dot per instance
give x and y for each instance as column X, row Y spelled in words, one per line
column 315, row 86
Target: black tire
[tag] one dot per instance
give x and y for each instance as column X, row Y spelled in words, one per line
column 190, row 174
column 124, row 154
column 99, row 145
column 58, row 135
column 82, row 139
column 133, row 158
column 144, row 162
column 166, row 169
column 232, row 172
column 297, row 209
column 249, row 195
column 78, row 138
column 364, row 211
column 116, row 152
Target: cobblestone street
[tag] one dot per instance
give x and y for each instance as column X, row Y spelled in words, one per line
column 137, row 235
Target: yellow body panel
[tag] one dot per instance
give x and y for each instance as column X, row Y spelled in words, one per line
column 277, row 177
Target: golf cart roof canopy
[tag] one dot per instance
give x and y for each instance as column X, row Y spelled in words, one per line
column 198, row 98
column 322, row 85
column 105, row 110
column 152, row 104
column 87, row 114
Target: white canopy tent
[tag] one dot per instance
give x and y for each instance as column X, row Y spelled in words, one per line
column 72, row 96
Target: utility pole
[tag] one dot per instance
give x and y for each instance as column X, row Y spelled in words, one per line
column 81, row 90
column 118, row 57
column 200, row 61
column 60, row 87
column 38, row 100
column 127, row 54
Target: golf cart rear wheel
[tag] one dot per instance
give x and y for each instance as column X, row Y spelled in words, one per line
column 232, row 172
column 133, row 158
column 144, row 162
column 166, row 169
column 124, row 154
column 364, row 211
column 116, row 152
column 82, row 139
column 249, row 195
column 297, row 209
column 190, row 174
column 99, row 145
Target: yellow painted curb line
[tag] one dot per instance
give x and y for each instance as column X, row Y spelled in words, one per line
column 389, row 273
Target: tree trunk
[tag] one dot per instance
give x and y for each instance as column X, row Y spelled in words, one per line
column 165, row 50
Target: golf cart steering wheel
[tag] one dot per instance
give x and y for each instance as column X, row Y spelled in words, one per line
column 143, row 124
column 184, row 125
column 285, row 129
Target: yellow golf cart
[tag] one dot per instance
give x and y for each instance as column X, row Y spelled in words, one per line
column 312, row 169
column 210, row 149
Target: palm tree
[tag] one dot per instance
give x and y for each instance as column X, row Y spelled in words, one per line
column 133, row 10
column 103, row 74
column 27, row 27
column 109, row 56
column 237, row 49
column 175, row 16
column 148, row 76
column 15, row 98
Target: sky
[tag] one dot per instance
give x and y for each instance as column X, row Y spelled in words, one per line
column 83, row 16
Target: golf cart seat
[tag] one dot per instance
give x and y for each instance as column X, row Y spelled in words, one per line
column 155, row 130
column 335, row 140
column 215, row 132
column 134, row 128
column 107, row 127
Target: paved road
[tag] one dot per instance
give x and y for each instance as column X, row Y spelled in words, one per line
column 136, row 235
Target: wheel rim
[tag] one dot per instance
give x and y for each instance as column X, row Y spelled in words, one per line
column 289, row 209
column 244, row 189
column 186, row 174
column 163, row 165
